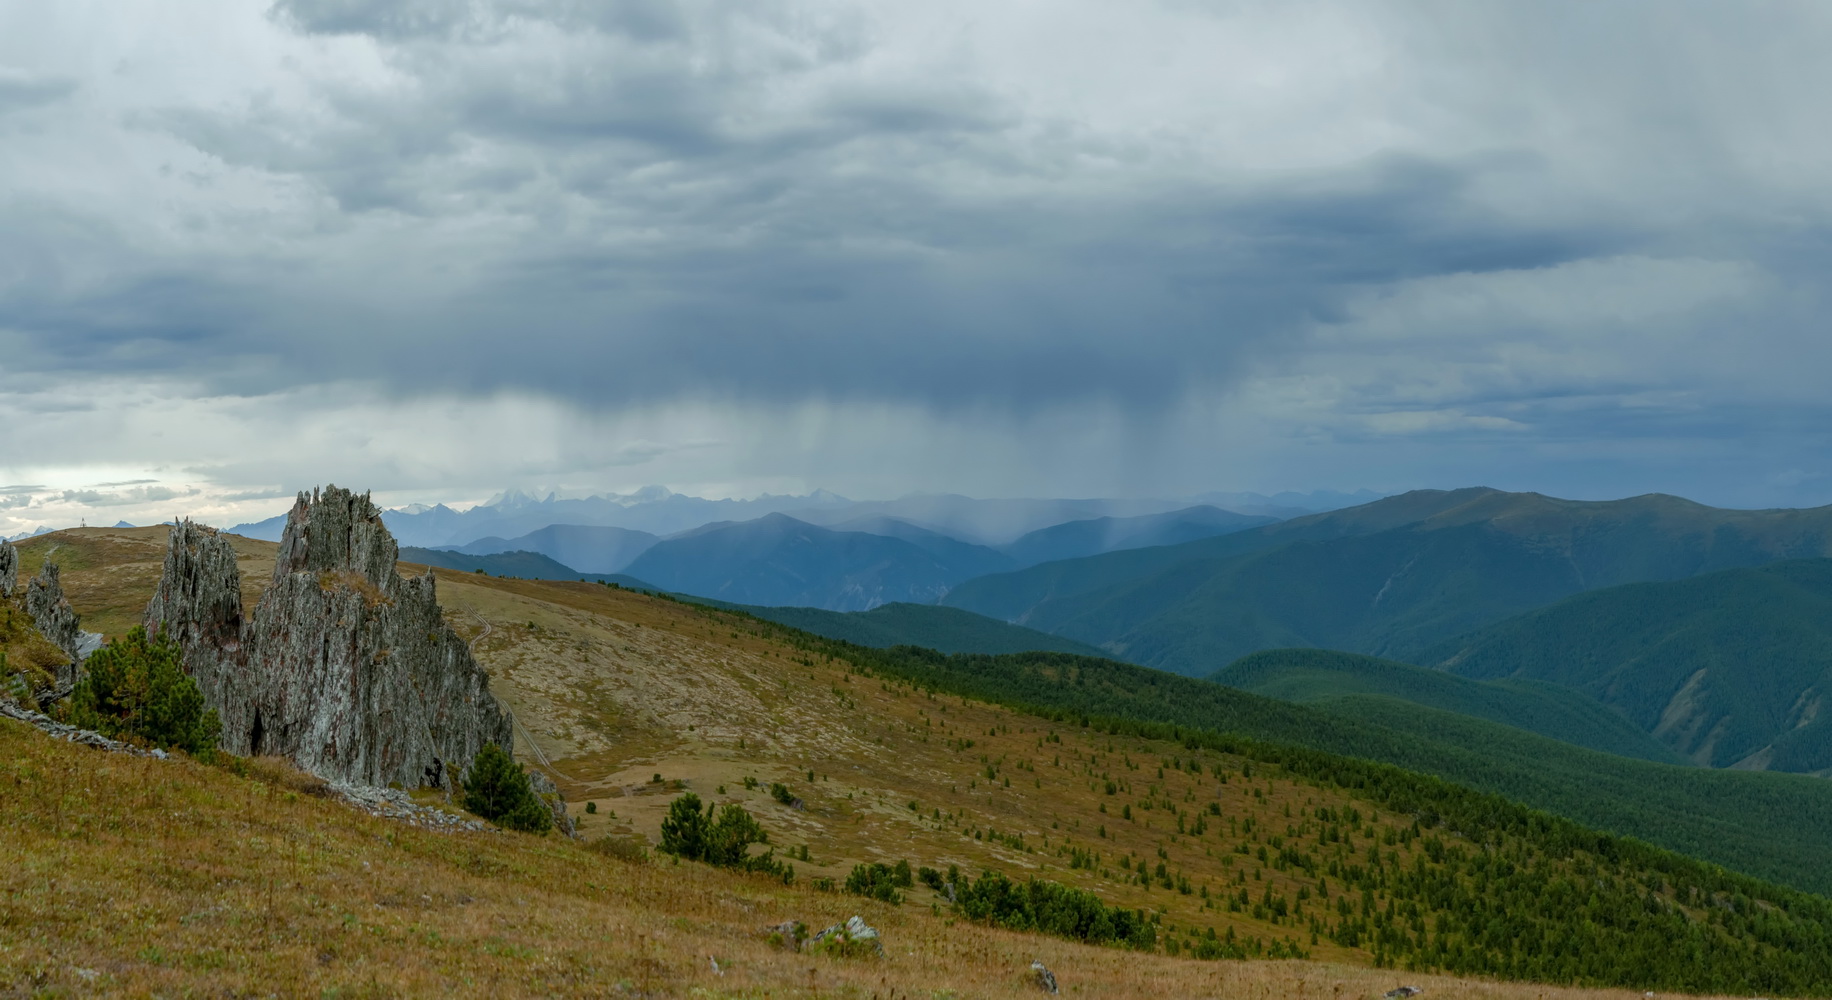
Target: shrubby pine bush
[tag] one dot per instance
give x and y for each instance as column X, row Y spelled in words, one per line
column 497, row 789
column 691, row 831
column 1053, row 908
column 880, row 881
column 136, row 688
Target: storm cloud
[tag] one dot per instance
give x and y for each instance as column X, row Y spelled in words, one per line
column 1109, row 248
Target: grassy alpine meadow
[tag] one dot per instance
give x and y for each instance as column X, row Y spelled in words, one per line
column 132, row 876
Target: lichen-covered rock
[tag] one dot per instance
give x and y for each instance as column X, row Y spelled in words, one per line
column 9, row 568
column 57, row 621
column 343, row 667
column 549, row 794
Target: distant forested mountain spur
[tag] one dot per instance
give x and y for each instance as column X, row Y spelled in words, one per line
column 1394, row 578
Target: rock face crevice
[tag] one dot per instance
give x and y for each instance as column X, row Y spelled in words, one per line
column 343, row 667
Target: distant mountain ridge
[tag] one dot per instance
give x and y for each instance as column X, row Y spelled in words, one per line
column 512, row 514
column 587, row 548
column 778, row 560
column 1390, row 578
column 1078, row 539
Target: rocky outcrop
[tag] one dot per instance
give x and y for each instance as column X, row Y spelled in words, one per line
column 199, row 604
column 549, row 794
column 343, row 667
column 9, row 568
column 57, row 621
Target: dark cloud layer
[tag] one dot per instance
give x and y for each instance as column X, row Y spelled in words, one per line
column 1560, row 228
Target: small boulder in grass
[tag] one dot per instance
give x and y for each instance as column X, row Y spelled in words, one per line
column 1402, row 992
column 789, row 934
column 1045, row 979
column 852, row 939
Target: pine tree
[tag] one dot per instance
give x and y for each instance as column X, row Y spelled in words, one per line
column 497, row 789
column 136, row 687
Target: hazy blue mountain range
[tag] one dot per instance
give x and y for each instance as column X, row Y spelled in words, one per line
column 599, row 549
column 659, row 511
column 1731, row 669
column 514, row 513
column 587, row 548
column 1076, row 539
column 1344, row 683
column 991, row 523
column 778, row 560
column 1390, row 578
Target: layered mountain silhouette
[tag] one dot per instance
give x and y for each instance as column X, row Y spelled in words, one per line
column 586, row 548
column 778, row 560
column 1077, row 539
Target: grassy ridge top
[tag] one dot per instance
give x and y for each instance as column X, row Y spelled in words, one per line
column 1325, row 678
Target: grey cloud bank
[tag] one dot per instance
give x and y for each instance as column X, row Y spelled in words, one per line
column 1093, row 249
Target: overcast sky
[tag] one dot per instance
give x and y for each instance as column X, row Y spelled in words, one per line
column 436, row 248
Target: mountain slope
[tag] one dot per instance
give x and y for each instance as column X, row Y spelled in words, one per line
column 589, row 548
column 1077, row 539
column 777, row 560
column 962, row 560
column 1729, row 669
column 1337, row 682
column 1775, row 825
column 1391, row 578
column 634, row 699
column 949, row 630
column 528, row 565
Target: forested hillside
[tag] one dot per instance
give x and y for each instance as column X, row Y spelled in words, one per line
column 1343, row 682
column 1772, row 826
column 1731, row 669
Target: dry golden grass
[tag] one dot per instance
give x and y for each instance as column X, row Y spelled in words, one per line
column 109, row 574
column 135, row 877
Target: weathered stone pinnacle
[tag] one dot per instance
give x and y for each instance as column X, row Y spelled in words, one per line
column 343, row 667
column 9, row 568
column 56, row 621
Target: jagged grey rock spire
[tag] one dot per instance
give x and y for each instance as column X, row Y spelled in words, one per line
column 57, row 621
column 343, row 667
column 9, row 568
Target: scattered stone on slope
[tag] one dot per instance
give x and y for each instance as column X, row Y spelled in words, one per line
column 71, row 734
column 343, row 667
column 9, row 568
column 57, row 622
column 392, row 803
column 1043, row 977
